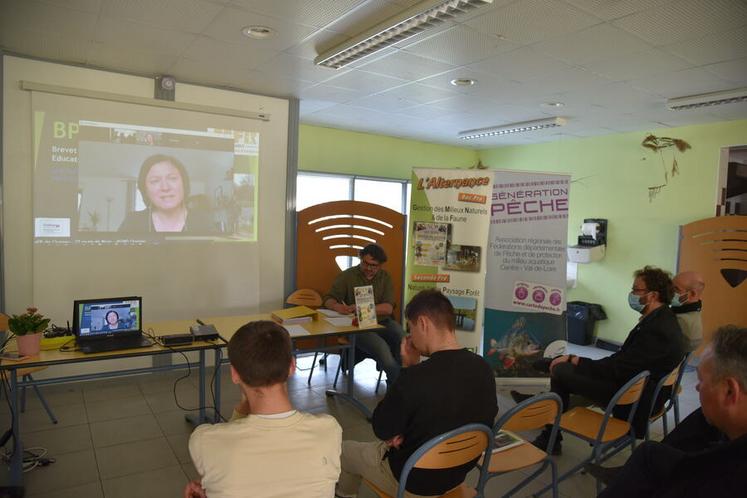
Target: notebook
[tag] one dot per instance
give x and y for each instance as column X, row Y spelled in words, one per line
column 109, row 324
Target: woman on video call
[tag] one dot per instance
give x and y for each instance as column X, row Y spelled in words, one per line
column 164, row 185
column 111, row 321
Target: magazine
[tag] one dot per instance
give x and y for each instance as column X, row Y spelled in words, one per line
column 365, row 309
column 505, row 440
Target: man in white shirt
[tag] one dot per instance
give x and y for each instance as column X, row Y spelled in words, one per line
column 267, row 449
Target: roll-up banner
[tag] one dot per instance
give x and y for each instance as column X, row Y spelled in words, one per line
column 449, row 221
column 525, row 288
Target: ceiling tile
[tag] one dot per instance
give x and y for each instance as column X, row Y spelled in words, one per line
column 420, row 94
column 684, row 20
column 226, row 26
column 48, row 19
column 522, row 64
column 329, row 93
column 407, row 66
column 682, row 83
column 185, row 15
column 84, row 5
column 238, row 54
column 530, row 21
column 317, row 13
column 732, row 71
column 44, row 45
column 639, row 65
column 387, row 102
column 140, row 37
column 608, row 10
column 730, row 111
column 717, row 47
column 308, row 106
column 597, row 43
column 459, row 45
column 365, row 83
column 292, row 67
column 144, row 63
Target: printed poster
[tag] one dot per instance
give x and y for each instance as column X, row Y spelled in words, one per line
column 449, row 222
column 526, row 276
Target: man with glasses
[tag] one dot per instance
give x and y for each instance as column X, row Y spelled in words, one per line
column 655, row 344
column 382, row 345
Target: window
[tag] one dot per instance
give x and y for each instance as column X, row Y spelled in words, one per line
column 316, row 188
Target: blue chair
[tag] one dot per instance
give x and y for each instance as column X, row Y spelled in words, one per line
column 452, row 449
column 536, row 412
column 606, row 434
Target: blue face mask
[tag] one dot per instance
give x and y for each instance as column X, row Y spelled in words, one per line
column 677, row 301
column 635, row 303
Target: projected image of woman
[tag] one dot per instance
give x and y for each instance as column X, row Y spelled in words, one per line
column 164, row 185
column 111, row 321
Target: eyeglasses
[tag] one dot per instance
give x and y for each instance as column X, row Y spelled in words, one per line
column 635, row 291
column 371, row 266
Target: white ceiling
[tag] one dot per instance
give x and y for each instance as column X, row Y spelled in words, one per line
column 612, row 62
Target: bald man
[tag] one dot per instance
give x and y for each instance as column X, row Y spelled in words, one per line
column 686, row 304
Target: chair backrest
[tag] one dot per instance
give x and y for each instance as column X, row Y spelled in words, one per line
column 452, row 449
column 305, row 297
column 672, row 380
column 628, row 395
column 4, row 322
column 533, row 413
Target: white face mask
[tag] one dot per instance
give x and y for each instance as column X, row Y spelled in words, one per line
column 678, row 300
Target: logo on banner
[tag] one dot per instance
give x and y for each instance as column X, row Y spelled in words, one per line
column 537, row 297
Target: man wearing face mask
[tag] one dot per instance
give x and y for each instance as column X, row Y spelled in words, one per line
column 686, row 304
column 655, row 344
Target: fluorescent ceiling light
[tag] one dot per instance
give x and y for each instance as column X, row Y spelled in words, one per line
column 416, row 19
column 708, row 99
column 537, row 124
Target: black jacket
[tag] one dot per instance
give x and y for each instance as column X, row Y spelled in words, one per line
column 655, row 344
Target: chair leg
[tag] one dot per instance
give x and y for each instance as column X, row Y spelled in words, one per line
column 337, row 374
column 323, row 361
column 676, row 410
column 311, row 372
column 23, row 395
column 378, row 382
column 664, row 423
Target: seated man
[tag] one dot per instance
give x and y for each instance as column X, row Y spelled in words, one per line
column 267, row 449
column 452, row 388
column 381, row 345
column 655, row 344
column 675, row 467
column 686, row 304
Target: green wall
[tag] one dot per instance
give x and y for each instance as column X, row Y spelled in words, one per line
column 610, row 176
column 329, row 150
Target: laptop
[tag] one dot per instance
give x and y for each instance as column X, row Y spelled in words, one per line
column 109, row 324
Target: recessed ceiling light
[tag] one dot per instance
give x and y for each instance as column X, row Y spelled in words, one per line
column 463, row 82
column 552, row 105
column 257, row 32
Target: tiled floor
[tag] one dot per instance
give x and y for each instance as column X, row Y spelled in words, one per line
column 127, row 437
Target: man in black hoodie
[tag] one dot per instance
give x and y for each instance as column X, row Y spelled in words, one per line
column 452, row 388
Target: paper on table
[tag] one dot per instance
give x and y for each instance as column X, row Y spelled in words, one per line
column 340, row 321
column 330, row 313
column 296, row 330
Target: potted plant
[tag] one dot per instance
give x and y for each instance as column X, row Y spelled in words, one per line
column 28, row 329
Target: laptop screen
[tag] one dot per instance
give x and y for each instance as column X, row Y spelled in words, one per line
column 96, row 318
